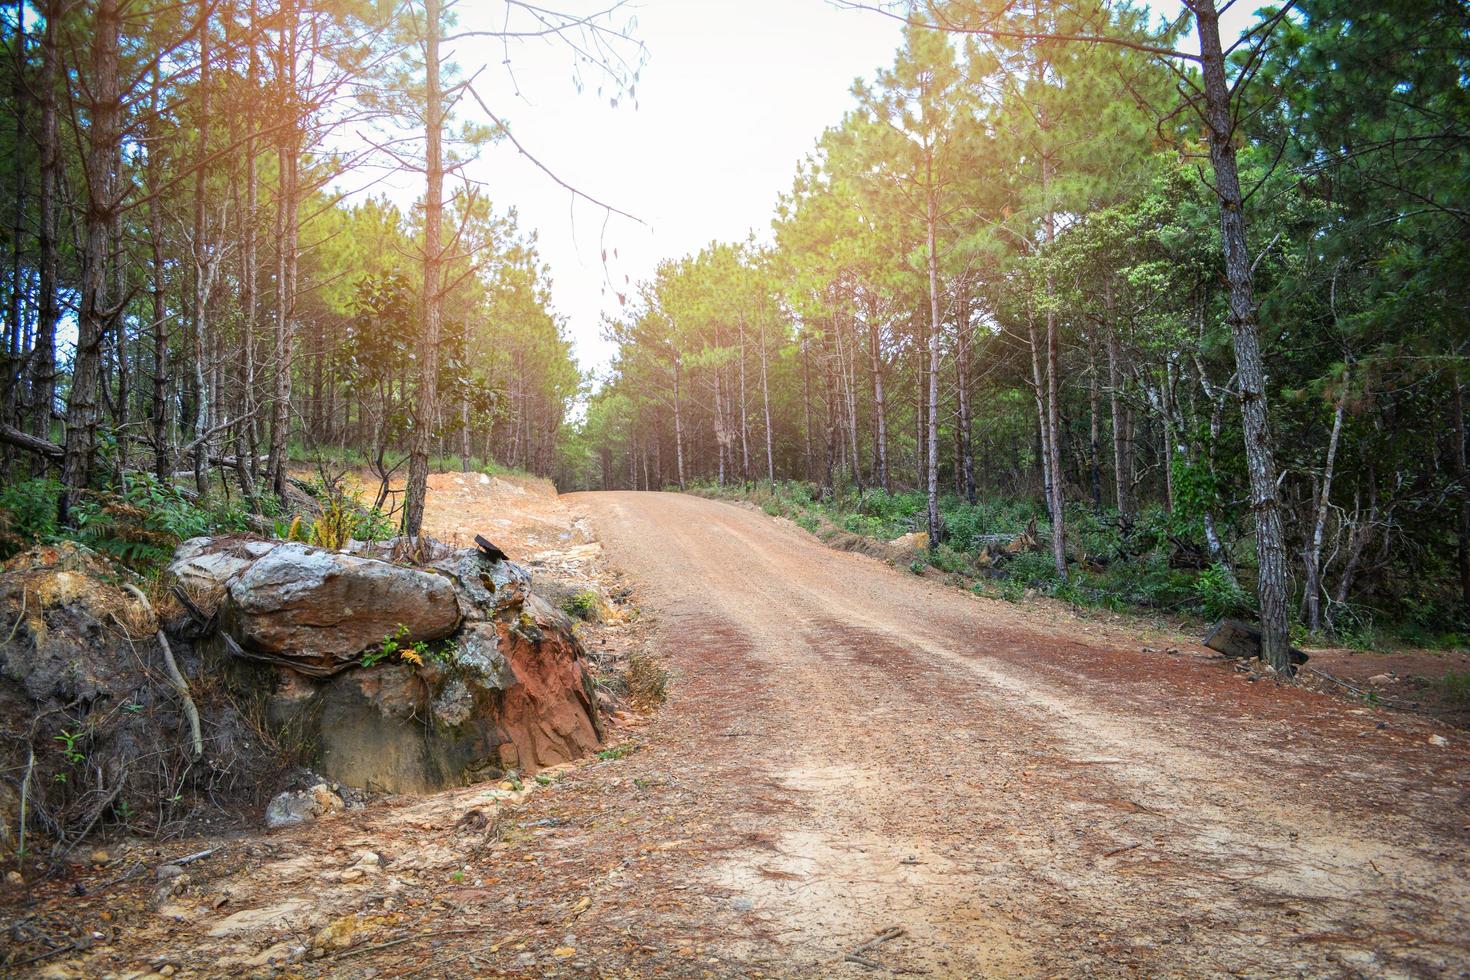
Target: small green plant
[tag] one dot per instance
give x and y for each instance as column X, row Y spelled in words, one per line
column 69, row 746
column 336, row 525
column 457, row 877
column 616, row 752
column 392, row 643
column 583, row 605
column 27, row 513
column 419, row 652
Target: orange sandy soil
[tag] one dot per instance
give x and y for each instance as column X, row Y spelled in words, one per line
column 848, row 749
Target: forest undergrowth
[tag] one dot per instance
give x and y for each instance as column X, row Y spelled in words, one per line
column 1157, row 565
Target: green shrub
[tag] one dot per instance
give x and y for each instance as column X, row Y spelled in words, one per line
column 1008, row 589
column 1037, row 568
column 1218, row 593
column 27, row 513
column 1148, row 581
column 583, row 605
column 947, row 559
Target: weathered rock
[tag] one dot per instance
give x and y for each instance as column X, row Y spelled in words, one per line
column 484, row 586
column 316, row 611
column 908, row 545
column 422, row 550
column 299, row 806
column 206, row 567
column 348, row 931
column 509, row 691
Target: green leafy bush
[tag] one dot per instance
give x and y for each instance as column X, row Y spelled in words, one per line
column 1219, row 594
column 27, row 513
column 1036, row 568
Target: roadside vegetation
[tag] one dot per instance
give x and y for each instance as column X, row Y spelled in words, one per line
column 1157, row 565
column 139, row 520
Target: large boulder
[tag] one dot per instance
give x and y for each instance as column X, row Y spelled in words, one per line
column 206, row 567
column 316, row 611
column 508, row 691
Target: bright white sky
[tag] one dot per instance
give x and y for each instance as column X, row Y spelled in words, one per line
column 734, row 94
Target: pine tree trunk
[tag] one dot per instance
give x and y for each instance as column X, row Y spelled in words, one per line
column 766, row 401
column 962, row 376
column 678, row 425
column 249, row 271
column 288, row 157
column 880, row 410
column 120, row 333
column 849, row 396
column 1457, row 406
column 932, row 429
column 721, row 435
column 1250, row 368
column 103, row 133
column 43, row 356
column 1122, row 443
column 744, row 415
column 806, row 381
column 1094, row 436
column 158, row 413
column 1038, row 389
column 202, row 265
column 15, row 377
column 1053, row 384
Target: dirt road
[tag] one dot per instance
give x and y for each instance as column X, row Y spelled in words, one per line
column 847, row 748
column 851, row 747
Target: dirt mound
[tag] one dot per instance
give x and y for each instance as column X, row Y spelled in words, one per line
column 91, row 726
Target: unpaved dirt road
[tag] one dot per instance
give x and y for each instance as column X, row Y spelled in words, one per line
column 850, row 747
column 847, row 748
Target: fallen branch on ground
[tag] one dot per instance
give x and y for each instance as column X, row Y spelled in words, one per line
column 883, row 936
column 403, row 939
